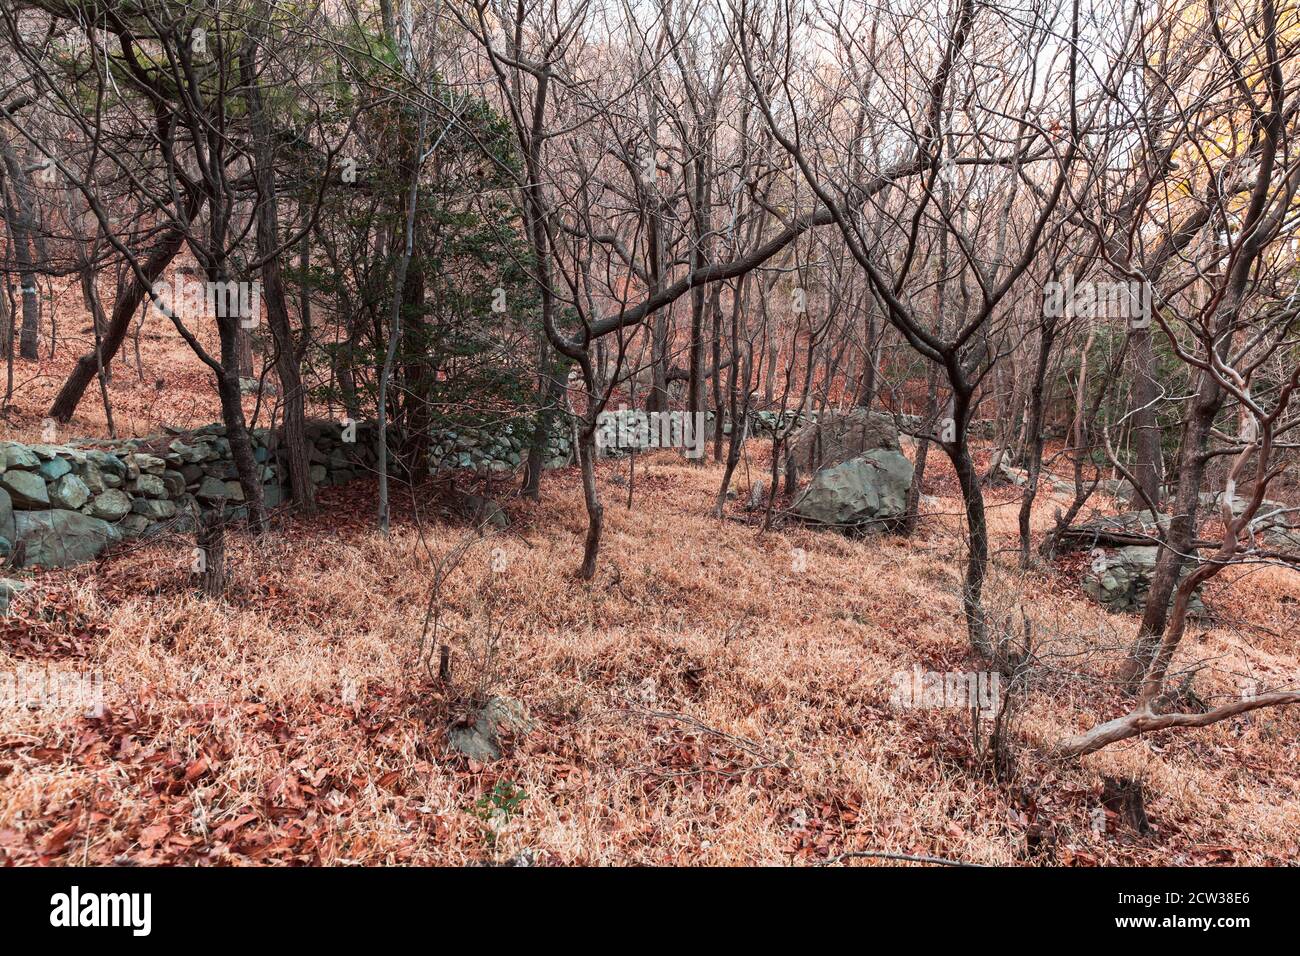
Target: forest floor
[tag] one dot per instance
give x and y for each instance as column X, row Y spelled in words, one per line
column 715, row 695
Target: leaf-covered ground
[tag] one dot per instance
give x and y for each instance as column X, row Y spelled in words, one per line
column 700, row 701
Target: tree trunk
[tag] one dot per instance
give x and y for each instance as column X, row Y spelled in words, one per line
column 595, row 510
column 119, row 323
column 292, row 392
column 1147, row 463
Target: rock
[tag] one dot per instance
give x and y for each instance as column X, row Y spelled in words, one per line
column 188, row 454
column 151, row 486
column 1120, row 579
column 174, row 482
column 54, row 468
column 153, row 509
column 1134, row 522
column 90, row 473
column 482, row 740
column 211, row 490
column 1284, row 539
column 59, row 538
column 69, row 492
column 6, row 516
column 134, row 525
column 16, row 456
column 26, row 488
column 234, row 492
column 864, row 491
column 837, row 437
column 107, row 463
column 149, row 464
column 6, row 549
column 1012, row 474
column 110, row 505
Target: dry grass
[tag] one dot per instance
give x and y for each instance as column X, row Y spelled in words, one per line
column 782, row 745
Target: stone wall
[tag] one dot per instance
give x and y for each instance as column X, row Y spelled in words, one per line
column 498, row 448
column 64, row 504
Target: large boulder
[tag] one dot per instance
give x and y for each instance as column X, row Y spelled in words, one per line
column 837, row 437
column 1120, row 579
column 25, row 488
column 870, row 490
column 59, row 538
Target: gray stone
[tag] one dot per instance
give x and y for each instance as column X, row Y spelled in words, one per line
column 54, row 468
column 153, row 509
column 108, row 463
column 26, row 488
column 870, row 490
column 16, row 456
column 69, row 492
column 1284, row 539
column 90, row 473
column 110, row 505
column 188, row 454
column 482, row 740
column 1120, row 579
column 134, row 525
column 151, row 486
column 6, row 516
column 837, row 437
column 174, row 481
column 59, row 538
column 211, row 490
column 149, row 464
column 234, row 492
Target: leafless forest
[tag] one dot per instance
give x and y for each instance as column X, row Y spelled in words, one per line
column 677, row 432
